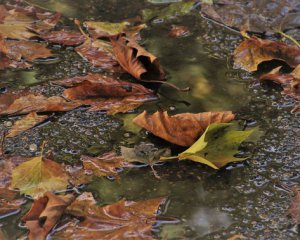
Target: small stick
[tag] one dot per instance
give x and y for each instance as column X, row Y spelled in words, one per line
column 290, row 38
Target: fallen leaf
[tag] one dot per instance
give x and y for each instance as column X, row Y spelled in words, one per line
column 25, row 123
column 253, row 51
column 181, row 129
column 237, row 237
column 34, row 103
column 44, row 214
column 121, row 220
column 294, row 209
column 104, row 165
column 179, row 31
column 136, row 60
column 97, row 85
column 38, row 175
column 217, row 146
column 9, row 63
column 108, row 29
column 99, row 53
column 64, row 38
column 9, row 203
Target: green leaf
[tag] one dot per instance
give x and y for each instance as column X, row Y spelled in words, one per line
column 37, row 176
column 217, row 146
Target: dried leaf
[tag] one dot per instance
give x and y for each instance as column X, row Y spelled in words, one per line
column 97, row 85
column 27, row 122
column 45, row 213
column 136, row 60
column 294, row 209
column 34, row 103
column 217, row 146
column 64, row 38
column 121, row 220
column 253, row 51
column 38, row 175
column 181, row 129
column 9, row 203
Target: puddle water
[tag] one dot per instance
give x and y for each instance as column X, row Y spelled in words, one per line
column 242, row 199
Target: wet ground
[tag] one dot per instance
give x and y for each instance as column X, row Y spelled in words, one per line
column 243, row 199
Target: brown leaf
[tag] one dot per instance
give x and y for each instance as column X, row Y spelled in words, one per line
column 9, row 63
column 34, row 103
column 237, row 237
column 64, row 38
column 104, row 165
column 136, row 60
column 294, row 209
column 178, row 31
column 121, row 220
column 9, row 203
column 27, row 122
column 99, row 54
column 97, row 85
column 181, row 129
column 253, row 51
column 45, row 213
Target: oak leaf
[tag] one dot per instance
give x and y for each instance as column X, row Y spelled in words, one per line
column 38, row 175
column 136, row 60
column 253, row 51
column 121, row 220
column 294, row 209
column 25, row 123
column 217, row 146
column 44, row 214
column 181, row 129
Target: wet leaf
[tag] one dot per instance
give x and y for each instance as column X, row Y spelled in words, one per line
column 253, row 51
column 217, row 146
column 34, row 103
column 136, row 60
column 121, row 220
column 104, row 165
column 181, row 129
column 38, row 175
column 44, row 214
column 179, row 31
column 169, row 12
column 9, row 203
column 294, row 209
column 64, row 38
column 237, row 237
column 25, row 123
column 99, row 53
column 96, row 85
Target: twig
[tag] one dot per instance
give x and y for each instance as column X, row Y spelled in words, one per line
column 290, row 38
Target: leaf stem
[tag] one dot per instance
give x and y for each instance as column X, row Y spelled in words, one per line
column 290, row 38
column 168, row 158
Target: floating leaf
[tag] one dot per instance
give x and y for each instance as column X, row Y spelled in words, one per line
column 121, row 220
column 217, row 146
column 294, row 209
column 44, row 214
column 253, row 51
column 136, row 60
column 64, row 38
column 27, row 122
column 181, row 129
column 38, row 175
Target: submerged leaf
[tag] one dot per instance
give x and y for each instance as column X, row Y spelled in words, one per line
column 64, row 38
column 217, row 146
column 27, row 122
column 9, row 203
column 294, row 209
column 121, row 220
column 38, row 175
column 45, row 213
column 181, row 129
column 253, row 51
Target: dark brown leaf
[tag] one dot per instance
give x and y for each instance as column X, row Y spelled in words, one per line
column 9, row 203
column 64, row 38
column 136, row 60
column 181, row 129
column 45, row 213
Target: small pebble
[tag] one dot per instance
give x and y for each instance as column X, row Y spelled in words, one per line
column 8, row 123
column 33, row 147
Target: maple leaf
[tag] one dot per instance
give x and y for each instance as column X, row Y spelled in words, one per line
column 181, row 129
column 25, row 123
column 294, row 209
column 217, row 146
column 121, row 220
column 44, row 214
column 37, row 176
column 136, row 60
column 253, row 51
